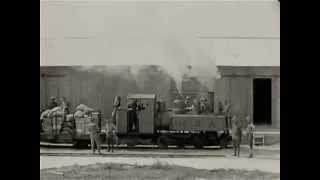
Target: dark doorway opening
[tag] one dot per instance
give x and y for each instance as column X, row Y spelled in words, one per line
column 262, row 101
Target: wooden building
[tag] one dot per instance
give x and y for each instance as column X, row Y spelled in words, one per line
column 250, row 90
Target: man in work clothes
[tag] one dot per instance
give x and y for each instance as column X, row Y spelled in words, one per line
column 111, row 135
column 250, row 130
column 53, row 103
column 116, row 106
column 227, row 114
column 94, row 136
column 236, row 135
column 132, row 114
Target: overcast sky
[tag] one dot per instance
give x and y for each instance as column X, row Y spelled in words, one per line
column 233, row 32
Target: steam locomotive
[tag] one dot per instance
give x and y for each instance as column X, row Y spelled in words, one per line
column 155, row 125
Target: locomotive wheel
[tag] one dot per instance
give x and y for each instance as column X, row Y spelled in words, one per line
column 198, row 143
column 163, row 142
column 81, row 145
column 130, row 143
column 199, row 146
column 223, row 142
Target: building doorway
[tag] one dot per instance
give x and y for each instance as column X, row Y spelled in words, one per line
column 262, row 101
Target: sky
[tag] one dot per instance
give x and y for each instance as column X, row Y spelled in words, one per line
column 234, row 33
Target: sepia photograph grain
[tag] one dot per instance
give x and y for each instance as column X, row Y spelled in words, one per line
column 162, row 90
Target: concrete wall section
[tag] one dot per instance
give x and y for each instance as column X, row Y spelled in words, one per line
column 276, row 102
column 237, row 91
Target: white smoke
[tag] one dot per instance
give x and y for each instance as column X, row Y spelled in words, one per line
column 173, row 54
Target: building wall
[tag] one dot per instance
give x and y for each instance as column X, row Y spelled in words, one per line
column 276, row 101
column 97, row 89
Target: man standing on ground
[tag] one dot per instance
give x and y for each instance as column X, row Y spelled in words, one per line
column 111, row 135
column 250, row 131
column 94, row 136
column 236, row 135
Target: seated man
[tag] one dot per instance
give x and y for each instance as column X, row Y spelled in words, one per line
column 187, row 102
column 203, row 105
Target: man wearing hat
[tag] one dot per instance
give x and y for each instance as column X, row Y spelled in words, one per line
column 187, row 102
column 236, row 135
column 111, row 135
column 94, row 136
column 53, row 103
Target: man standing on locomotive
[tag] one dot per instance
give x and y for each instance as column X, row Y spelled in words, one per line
column 116, row 106
column 187, row 102
column 132, row 114
column 227, row 114
column 94, row 136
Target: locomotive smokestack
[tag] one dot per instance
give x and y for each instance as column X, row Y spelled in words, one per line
column 211, row 101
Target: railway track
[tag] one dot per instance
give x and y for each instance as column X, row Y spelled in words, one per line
column 136, row 147
column 145, row 155
column 49, row 149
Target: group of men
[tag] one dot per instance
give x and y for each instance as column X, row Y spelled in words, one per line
column 233, row 123
column 133, row 109
column 199, row 107
column 95, row 136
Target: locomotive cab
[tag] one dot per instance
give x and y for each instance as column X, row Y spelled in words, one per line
column 139, row 115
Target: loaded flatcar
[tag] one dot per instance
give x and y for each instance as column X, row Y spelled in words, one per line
column 59, row 128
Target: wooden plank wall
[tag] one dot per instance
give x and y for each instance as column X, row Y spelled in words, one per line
column 97, row 89
column 236, row 90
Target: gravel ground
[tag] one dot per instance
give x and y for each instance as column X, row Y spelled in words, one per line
column 157, row 170
column 267, row 165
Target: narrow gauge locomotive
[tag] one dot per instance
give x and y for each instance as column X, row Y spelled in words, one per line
column 161, row 126
column 155, row 125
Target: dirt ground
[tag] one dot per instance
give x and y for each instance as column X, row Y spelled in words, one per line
column 157, row 170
